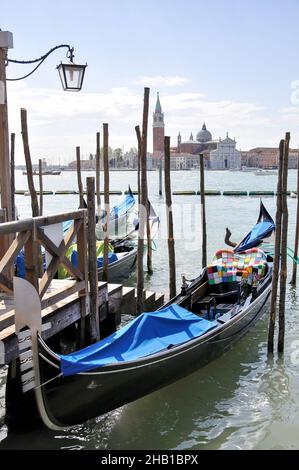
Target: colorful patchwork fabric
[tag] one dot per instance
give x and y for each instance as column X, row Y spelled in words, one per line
column 229, row 266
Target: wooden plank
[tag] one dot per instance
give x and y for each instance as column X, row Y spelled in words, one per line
column 57, row 297
column 29, row 224
column 31, row 261
column 55, row 261
column 5, row 283
column 14, row 249
column 54, row 251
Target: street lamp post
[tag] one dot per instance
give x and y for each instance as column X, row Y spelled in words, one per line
column 71, row 76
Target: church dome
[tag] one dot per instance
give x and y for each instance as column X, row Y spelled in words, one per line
column 204, row 135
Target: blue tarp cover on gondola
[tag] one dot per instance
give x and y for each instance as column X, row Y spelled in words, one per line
column 147, row 334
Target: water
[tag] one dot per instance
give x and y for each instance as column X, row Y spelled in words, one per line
column 240, row 401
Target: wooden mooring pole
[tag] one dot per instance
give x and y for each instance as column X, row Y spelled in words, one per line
column 160, row 176
column 294, row 272
column 79, row 178
column 141, row 228
column 12, row 175
column 106, row 200
column 34, row 201
column 138, row 135
column 92, row 263
column 284, row 245
column 203, row 211
column 277, row 247
column 145, row 202
column 40, row 177
column 98, row 173
column 171, row 250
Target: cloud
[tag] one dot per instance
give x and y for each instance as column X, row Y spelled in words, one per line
column 160, row 81
column 60, row 121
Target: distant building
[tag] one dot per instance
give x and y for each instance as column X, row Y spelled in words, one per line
column 266, row 157
column 225, row 156
column 193, row 146
column 158, row 134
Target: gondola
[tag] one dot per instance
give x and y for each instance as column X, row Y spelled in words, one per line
column 208, row 316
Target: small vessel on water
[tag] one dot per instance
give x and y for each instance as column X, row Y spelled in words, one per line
column 44, row 172
column 209, row 315
column 264, row 172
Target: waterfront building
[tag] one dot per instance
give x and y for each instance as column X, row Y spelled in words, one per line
column 225, row 156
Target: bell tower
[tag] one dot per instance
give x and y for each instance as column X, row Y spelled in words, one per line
column 158, row 128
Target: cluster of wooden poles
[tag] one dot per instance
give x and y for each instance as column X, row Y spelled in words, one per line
column 281, row 248
column 93, row 188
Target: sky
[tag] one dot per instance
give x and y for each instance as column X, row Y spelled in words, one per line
column 232, row 64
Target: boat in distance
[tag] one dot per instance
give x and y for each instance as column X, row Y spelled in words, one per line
column 208, row 316
column 44, row 172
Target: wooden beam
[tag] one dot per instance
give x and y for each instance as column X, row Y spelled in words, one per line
column 6, row 284
column 34, row 202
column 92, row 263
column 55, row 261
column 40, row 177
column 14, row 249
column 294, row 272
column 141, row 229
column 203, row 211
column 106, row 200
column 54, row 251
column 276, row 258
column 168, row 200
column 284, row 245
column 98, row 173
column 138, row 135
column 79, row 179
column 12, row 175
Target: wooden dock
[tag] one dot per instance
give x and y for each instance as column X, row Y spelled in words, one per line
column 66, row 311
column 64, row 301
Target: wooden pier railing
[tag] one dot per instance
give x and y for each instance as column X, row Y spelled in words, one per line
column 30, row 235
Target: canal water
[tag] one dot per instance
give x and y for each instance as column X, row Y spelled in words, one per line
column 240, row 401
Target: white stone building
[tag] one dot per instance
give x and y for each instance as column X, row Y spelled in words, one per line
column 226, row 156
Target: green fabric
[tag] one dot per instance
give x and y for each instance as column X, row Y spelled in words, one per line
column 62, row 271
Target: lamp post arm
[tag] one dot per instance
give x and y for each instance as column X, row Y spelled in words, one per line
column 40, row 60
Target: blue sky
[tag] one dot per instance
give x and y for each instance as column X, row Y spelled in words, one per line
column 230, row 63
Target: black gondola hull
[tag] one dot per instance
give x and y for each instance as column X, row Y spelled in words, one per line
column 75, row 399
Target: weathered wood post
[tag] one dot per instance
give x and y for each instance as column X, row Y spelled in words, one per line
column 203, row 210
column 160, row 177
column 82, row 253
column 141, row 229
column 294, row 273
column 138, row 135
column 34, row 202
column 106, row 200
column 92, row 263
column 144, row 177
column 276, row 258
column 284, row 245
column 12, row 175
column 31, row 246
column 79, row 178
column 40, row 177
column 171, row 250
column 98, row 173
column 5, row 44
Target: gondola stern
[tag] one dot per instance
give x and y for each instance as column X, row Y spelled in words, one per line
column 28, row 325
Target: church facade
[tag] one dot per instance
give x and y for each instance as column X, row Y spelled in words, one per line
column 218, row 154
